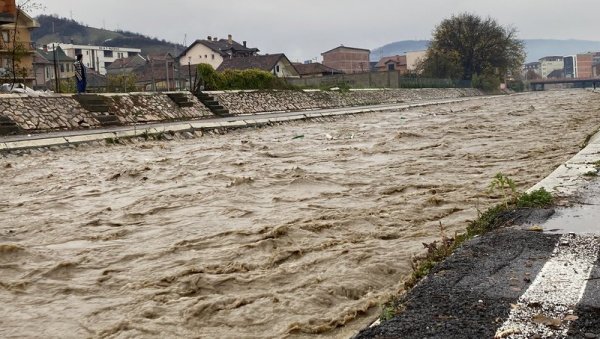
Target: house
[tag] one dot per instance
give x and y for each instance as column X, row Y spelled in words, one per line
column 7, row 11
column 42, row 68
column 213, row 51
column 347, row 59
column 47, row 62
column 550, row 64
column 97, row 58
column 277, row 64
column 125, row 65
column 315, row 69
column 392, row 63
column 414, row 59
column 161, row 73
column 13, row 19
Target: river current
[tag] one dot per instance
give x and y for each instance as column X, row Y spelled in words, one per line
column 285, row 231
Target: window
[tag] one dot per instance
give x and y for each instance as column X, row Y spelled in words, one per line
column 213, row 56
column 200, row 56
column 108, row 54
column 391, row 67
column 205, row 56
column 106, row 64
column 5, row 36
column 62, row 68
column 277, row 68
column 87, row 52
column 68, row 67
column 77, row 51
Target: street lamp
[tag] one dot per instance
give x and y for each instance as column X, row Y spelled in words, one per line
column 190, row 71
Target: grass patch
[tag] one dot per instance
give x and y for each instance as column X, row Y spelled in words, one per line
column 494, row 218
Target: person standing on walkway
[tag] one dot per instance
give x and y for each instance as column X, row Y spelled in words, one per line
column 80, row 74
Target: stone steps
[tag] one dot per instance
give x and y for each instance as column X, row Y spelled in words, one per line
column 181, row 99
column 8, row 127
column 93, row 103
column 99, row 106
column 212, row 104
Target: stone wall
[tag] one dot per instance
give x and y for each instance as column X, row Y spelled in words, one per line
column 64, row 112
column 46, row 113
column 245, row 102
column 149, row 107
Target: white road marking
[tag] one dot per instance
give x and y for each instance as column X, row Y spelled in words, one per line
column 546, row 308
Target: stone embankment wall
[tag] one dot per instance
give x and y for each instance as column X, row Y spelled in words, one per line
column 46, row 113
column 245, row 102
column 148, row 107
column 64, row 112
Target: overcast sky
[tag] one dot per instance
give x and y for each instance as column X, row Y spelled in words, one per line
column 302, row 29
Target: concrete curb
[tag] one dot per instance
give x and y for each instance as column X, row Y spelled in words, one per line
column 569, row 178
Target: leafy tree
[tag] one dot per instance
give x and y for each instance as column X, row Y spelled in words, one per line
column 467, row 45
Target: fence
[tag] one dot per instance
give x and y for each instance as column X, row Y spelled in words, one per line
column 391, row 79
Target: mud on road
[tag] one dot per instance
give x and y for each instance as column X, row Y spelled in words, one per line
column 281, row 231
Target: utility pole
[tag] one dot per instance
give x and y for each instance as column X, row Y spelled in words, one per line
column 56, row 79
column 190, row 71
column 167, row 70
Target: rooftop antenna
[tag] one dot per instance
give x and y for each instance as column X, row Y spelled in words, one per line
column 185, row 39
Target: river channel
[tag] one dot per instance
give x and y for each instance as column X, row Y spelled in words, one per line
column 285, row 231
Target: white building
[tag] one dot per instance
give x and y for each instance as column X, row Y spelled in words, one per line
column 213, row 51
column 550, row 64
column 97, row 58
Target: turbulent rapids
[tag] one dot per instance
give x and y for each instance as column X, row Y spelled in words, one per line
column 282, row 231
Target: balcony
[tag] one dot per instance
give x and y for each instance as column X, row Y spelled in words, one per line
column 6, row 18
column 6, row 47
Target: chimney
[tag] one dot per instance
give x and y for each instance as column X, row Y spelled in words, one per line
column 215, row 39
column 244, row 43
column 230, row 39
column 45, row 48
column 209, row 38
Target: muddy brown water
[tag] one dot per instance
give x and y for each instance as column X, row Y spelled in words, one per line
column 257, row 233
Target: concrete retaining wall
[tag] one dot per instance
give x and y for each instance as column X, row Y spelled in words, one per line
column 245, row 102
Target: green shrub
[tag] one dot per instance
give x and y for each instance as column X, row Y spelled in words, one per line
column 486, row 82
column 208, row 77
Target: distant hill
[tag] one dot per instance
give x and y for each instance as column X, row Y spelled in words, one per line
column 56, row 29
column 535, row 48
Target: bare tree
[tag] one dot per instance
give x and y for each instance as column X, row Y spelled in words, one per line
column 18, row 47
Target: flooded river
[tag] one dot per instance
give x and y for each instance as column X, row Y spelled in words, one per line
column 283, row 231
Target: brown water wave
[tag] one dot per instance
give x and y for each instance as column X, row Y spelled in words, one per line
column 259, row 233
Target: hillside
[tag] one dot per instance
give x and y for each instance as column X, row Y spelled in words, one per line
column 535, row 48
column 55, row 29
